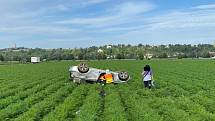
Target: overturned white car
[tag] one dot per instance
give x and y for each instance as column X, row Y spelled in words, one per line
column 82, row 73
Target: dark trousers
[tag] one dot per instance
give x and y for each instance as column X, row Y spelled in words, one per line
column 101, row 81
column 148, row 84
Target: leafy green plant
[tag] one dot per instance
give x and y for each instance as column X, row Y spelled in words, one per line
column 184, row 91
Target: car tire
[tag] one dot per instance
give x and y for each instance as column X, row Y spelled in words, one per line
column 83, row 68
column 123, row 76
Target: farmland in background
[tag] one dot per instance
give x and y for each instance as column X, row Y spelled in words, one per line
column 184, row 90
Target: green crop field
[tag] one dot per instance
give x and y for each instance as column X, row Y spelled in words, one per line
column 185, row 91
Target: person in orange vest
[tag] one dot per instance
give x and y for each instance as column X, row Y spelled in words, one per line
column 108, row 77
column 102, row 79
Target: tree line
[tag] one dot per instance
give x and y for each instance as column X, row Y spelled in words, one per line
column 120, row 51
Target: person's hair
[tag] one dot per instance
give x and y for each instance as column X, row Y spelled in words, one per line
column 147, row 68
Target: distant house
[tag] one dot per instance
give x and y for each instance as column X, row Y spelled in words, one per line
column 109, row 46
column 148, row 56
column 35, row 59
column 110, row 56
column 18, row 49
column 212, row 54
column 100, row 51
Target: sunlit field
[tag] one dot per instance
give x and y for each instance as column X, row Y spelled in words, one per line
column 184, row 90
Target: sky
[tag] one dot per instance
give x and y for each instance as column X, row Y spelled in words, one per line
column 85, row 23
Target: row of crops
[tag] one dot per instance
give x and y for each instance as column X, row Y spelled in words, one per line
column 184, row 91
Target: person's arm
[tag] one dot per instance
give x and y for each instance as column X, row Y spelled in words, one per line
column 143, row 73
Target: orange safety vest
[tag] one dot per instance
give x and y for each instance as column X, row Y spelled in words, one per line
column 109, row 78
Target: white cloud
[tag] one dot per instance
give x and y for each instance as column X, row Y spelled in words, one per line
column 62, row 7
column 183, row 19
column 131, row 8
column 74, row 21
column 208, row 6
column 178, row 26
column 92, row 2
column 177, row 19
column 89, row 21
column 120, row 14
column 37, row 30
column 123, row 29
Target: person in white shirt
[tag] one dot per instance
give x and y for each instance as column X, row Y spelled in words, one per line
column 147, row 76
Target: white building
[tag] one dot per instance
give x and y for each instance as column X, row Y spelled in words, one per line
column 212, row 54
column 109, row 46
column 148, row 56
column 100, row 51
column 35, row 59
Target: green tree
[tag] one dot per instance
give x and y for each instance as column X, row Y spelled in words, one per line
column 101, row 56
column 141, row 56
column 1, row 57
column 163, row 55
column 206, row 55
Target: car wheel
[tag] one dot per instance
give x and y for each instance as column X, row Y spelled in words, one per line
column 123, row 76
column 83, row 68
